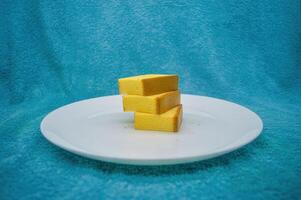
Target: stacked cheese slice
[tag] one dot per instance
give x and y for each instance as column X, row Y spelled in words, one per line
column 155, row 99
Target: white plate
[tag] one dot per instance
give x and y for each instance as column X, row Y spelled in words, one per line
column 99, row 129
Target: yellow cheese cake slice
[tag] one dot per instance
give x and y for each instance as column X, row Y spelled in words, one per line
column 168, row 121
column 149, row 84
column 154, row 104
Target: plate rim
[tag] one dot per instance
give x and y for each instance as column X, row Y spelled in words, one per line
column 153, row 161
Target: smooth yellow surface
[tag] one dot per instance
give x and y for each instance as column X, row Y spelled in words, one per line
column 154, row 104
column 149, row 84
column 168, row 121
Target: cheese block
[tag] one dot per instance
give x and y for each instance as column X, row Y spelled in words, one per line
column 149, row 84
column 154, row 104
column 168, row 121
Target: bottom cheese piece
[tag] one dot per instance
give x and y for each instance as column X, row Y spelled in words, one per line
column 168, row 121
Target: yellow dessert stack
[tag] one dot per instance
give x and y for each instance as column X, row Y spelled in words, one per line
column 155, row 99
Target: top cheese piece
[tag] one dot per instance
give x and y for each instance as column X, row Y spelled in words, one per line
column 149, row 84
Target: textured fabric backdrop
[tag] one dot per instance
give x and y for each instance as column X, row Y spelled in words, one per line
column 56, row 52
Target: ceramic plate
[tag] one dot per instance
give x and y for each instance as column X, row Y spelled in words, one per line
column 99, row 129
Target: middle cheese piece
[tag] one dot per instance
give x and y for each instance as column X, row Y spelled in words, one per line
column 154, row 104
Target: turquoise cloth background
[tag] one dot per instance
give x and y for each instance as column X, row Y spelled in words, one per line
column 56, row 52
